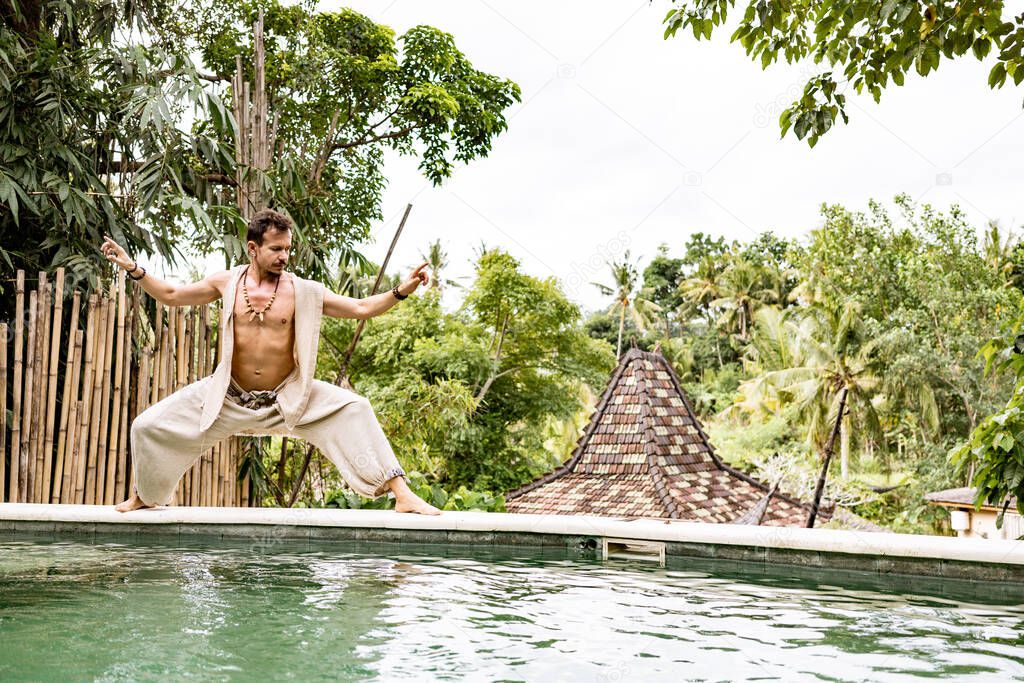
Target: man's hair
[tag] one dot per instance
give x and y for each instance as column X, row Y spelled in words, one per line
column 266, row 219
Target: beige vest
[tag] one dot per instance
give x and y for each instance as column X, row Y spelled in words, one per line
column 293, row 397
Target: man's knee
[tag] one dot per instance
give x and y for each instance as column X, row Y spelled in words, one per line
column 360, row 404
column 144, row 421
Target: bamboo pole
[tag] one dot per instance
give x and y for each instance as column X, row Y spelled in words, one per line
column 259, row 139
column 43, row 298
column 96, row 408
column 158, row 342
column 121, row 476
column 3, row 410
column 51, row 405
column 25, row 464
column 60, row 459
column 78, row 456
column 67, row 485
column 181, row 348
column 108, row 349
column 19, row 325
column 145, row 380
column 120, row 350
column 29, row 449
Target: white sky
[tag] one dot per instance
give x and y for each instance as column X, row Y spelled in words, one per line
column 625, row 140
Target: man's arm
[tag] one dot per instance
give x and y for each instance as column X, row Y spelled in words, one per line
column 205, row 291
column 337, row 306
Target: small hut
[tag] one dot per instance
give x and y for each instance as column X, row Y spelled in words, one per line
column 644, row 454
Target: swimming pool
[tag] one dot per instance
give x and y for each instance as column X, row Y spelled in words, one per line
column 146, row 610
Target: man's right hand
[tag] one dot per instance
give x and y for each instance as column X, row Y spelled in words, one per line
column 116, row 254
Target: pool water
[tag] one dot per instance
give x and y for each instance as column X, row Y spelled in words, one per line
column 107, row 611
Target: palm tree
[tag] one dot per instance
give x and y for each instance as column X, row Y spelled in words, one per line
column 998, row 252
column 702, row 288
column 627, row 299
column 741, row 292
column 437, row 259
column 833, row 368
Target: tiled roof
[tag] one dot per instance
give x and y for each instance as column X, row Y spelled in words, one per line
column 645, row 454
column 964, row 497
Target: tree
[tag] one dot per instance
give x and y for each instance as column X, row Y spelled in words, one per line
column 741, row 292
column 928, row 290
column 627, row 299
column 863, row 44
column 126, row 135
column 993, row 456
column 998, row 250
column 661, row 278
column 437, row 259
column 340, row 90
column 81, row 98
column 465, row 397
column 831, row 361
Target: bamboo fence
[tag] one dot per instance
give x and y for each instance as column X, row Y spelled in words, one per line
column 74, row 392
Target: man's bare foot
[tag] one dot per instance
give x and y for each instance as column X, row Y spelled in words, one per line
column 133, row 503
column 413, row 503
column 407, row 501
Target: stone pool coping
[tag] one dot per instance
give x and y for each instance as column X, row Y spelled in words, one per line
column 884, row 553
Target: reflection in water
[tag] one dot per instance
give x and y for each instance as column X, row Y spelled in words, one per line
column 110, row 611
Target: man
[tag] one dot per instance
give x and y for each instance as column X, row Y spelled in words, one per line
column 269, row 330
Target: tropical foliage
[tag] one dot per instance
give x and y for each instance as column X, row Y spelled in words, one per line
column 475, row 396
column 864, row 44
column 110, row 126
column 885, row 313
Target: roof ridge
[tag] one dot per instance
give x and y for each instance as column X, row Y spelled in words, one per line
column 650, row 443
column 721, row 464
column 595, row 419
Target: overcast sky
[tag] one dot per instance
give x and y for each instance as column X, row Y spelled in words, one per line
column 625, row 140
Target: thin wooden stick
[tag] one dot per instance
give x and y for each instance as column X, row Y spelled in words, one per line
column 342, row 378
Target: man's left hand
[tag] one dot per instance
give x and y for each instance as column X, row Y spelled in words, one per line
column 415, row 279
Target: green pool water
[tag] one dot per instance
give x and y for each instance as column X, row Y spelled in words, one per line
column 112, row 611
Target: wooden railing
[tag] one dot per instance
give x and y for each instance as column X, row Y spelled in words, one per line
column 69, row 395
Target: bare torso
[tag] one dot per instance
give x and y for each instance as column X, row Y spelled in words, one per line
column 263, row 354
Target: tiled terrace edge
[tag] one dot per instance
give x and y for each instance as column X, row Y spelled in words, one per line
column 905, row 554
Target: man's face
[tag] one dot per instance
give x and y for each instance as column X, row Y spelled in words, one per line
column 273, row 254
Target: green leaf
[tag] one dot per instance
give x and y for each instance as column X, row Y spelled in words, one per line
column 997, row 76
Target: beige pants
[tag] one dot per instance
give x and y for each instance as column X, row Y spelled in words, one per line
column 166, row 440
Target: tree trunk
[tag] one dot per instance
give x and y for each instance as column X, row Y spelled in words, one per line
column 281, row 460
column 829, row 448
column 844, row 448
column 622, row 321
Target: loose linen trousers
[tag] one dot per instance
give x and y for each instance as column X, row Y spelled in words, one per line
column 166, row 440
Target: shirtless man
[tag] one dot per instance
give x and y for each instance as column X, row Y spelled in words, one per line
column 262, row 358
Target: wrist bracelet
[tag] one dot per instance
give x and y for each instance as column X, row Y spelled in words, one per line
column 133, row 269
column 398, row 295
column 141, row 276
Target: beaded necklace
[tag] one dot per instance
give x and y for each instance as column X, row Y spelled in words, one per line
column 248, row 306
